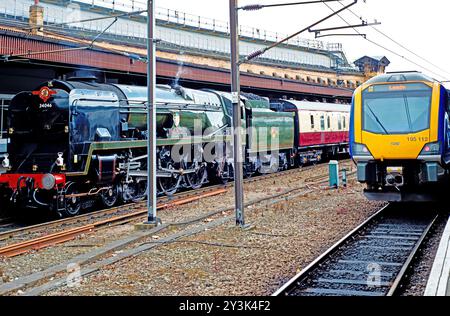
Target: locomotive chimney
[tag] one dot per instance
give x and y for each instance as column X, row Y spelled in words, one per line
column 36, row 18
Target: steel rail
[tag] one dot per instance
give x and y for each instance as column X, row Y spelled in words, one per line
column 401, row 274
column 59, row 237
column 394, row 285
column 163, row 199
column 34, row 278
column 303, row 273
column 100, row 213
column 139, row 207
column 44, row 241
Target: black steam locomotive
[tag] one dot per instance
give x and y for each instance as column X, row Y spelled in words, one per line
column 74, row 143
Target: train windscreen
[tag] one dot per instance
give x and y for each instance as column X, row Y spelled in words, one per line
column 396, row 108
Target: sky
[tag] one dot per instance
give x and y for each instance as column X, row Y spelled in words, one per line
column 420, row 26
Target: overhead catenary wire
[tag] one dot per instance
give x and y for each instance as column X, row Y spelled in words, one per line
column 265, row 49
column 89, row 46
column 254, row 7
column 382, row 46
column 401, row 45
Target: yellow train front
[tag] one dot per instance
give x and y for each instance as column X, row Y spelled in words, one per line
column 399, row 137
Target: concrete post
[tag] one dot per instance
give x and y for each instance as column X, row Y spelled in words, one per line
column 151, row 113
column 237, row 121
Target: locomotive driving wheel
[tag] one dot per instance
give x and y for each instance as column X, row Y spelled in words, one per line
column 170, row 181
column 221, row 172
column 110, row 197
column 72, row 202
column 196, row 179
column 134, row 191
column 247, row 173
column 169, row 185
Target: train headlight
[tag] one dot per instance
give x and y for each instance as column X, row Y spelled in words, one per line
column 48, row 181
column 5, row 162
column 60, row 160
column 431, row 149
column 360, row 150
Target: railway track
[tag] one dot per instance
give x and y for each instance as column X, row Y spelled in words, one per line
column 68, row 234
column 46, row 234
column 372, row 260
column 6, row 233
column 125, row 211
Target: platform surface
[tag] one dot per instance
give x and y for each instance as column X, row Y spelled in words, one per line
column 439, row 280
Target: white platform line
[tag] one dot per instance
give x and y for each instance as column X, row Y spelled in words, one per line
column 440, row 272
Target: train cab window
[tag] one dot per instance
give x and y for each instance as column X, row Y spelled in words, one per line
column 312, row 121
column 322, row 122
column 328, row 122
column 396, row 108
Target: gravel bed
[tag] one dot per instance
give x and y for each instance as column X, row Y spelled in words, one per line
column 226, row 260
column 34, row 261
column 252, row 190
column 12, row 268
column 367, row 251
column 169, row 214
column 44, row 231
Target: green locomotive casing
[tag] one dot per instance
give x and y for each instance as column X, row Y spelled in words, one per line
column 272, row 130
column 179, row 112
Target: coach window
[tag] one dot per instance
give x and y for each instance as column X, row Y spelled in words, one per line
column 339, row 122
column 344, row 119
column 328, row 122
column 322, row 122
column 312, row 121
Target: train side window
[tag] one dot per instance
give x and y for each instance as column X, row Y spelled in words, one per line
column 322, row 122
column 312, row 121
column 344, row 119
column 328, row 122
column 339, row 122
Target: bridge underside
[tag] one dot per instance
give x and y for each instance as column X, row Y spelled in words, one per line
column 52, row 63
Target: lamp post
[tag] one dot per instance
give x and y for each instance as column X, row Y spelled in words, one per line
column 237, row 120
column 151, row 114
